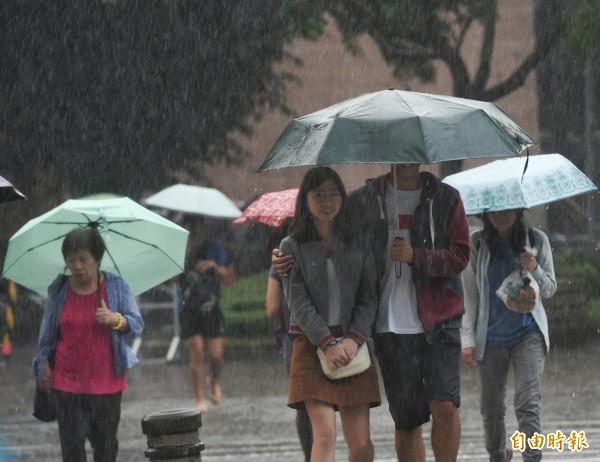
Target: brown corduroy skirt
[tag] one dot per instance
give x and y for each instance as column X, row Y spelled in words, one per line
column 307, row 381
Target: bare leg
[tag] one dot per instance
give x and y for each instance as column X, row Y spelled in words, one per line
column 410, row 446
column 322, row 419
column 445, row 430
column 195, row 346
column 355, row 424
column 215, row 351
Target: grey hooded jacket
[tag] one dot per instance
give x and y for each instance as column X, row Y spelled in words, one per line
column 477, row 291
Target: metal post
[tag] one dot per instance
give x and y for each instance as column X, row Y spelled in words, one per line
column 176, row 327
column 173, row 435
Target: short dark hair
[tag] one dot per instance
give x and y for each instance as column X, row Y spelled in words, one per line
column 302, row 227
column 84, row 239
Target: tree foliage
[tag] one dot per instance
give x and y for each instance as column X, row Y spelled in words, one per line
column 584, row 29
column 412, row 35
column 119, row 95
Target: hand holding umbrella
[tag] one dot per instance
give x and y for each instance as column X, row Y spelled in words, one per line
column 402, row 252
column 109, row 318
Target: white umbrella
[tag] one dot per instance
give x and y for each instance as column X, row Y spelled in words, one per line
column 502, row 185
column 195, row 200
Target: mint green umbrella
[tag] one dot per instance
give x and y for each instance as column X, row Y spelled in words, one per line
column 398, row 127
column 142, row 247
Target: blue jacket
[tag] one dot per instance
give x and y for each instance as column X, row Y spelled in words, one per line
column 120, row 299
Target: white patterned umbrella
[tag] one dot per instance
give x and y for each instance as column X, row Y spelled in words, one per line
column 502, row 185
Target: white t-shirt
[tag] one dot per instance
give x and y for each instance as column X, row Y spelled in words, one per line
column 398, row 302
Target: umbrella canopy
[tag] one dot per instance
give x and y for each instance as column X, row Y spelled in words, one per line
column 8, row 192
column 502, row 185
column 398, row 127
column 195, row 200
column 271, row 208
column 141, row 246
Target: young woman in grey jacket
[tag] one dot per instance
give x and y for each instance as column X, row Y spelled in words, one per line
column 331, row 292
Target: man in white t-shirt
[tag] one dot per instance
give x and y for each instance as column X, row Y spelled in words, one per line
column 420, row 237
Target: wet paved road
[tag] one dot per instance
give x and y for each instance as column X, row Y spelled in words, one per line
column 253, row 422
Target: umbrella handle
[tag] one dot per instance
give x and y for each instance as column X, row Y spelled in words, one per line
column 398, row 269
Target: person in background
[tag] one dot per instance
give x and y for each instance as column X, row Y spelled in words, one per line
column 332, row 298
column 202, row 320
column 495, row 338
column 277, row 309
column 82, row 351
column 420, row 237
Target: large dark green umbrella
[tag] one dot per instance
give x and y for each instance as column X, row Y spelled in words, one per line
column 398, row 127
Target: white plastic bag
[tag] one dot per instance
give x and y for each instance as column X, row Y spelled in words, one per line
column 519, row 291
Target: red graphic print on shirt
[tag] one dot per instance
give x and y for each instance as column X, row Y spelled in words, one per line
column 404, row 221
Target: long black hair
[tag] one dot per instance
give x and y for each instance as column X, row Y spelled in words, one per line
column 500, row 247
column 302, row 227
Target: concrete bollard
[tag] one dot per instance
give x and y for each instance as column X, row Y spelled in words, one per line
column 173, row 435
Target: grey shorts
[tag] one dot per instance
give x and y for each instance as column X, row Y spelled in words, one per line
column 415, row 372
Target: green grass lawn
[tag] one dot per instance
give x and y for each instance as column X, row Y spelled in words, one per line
column 244, row 308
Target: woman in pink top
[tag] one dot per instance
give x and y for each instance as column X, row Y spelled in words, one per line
column 82, row 353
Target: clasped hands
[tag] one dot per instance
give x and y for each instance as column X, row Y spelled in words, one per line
column 341, row 353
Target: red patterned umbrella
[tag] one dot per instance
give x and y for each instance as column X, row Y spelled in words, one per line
column 271, row 208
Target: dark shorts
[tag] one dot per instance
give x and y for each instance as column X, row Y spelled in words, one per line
column 208, row 325
column 415, row 372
